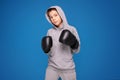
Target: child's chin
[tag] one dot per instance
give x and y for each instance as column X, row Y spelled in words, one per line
column 56, row 25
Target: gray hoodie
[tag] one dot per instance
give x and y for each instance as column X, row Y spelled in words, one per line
column 60, row 55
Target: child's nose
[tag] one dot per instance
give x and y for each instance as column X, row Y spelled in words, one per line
column 53, row 18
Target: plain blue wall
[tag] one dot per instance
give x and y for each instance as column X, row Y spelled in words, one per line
column 23, row 24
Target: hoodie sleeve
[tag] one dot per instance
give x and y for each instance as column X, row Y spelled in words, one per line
column 74, row 31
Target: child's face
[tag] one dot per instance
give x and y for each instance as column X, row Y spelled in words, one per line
column 55, row 18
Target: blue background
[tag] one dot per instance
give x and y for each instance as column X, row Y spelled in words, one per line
column 23, row 24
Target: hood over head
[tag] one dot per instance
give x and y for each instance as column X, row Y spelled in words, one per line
column 60, row 12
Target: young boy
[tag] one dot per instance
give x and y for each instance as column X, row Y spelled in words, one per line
column 61, row 42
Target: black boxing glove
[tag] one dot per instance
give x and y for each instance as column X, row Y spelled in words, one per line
column 47, row 43
column 68, row 38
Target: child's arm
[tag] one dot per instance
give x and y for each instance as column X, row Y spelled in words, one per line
column 70, row 38
column 47, row 43
column 74, row 31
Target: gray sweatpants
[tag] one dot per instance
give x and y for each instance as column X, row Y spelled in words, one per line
column 54, row 74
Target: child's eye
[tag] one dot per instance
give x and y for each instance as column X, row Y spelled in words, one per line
column 51, row 17
column 55, row 15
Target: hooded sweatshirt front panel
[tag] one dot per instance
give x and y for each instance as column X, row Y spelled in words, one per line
column 60, row 55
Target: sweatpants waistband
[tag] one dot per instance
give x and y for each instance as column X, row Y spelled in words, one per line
column 61, row 70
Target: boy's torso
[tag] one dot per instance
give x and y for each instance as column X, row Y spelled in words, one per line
column 60, row 55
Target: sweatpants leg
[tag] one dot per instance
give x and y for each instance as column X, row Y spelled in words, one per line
column 68, row 75
column 51, row 74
